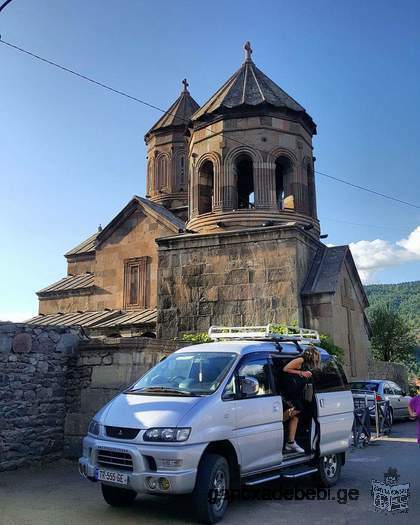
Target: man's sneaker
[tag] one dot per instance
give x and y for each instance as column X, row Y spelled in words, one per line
column 294, row 447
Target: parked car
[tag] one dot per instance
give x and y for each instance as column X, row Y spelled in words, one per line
column 209, row 418
column 382, row 390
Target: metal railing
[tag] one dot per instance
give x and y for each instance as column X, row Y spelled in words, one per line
column 362, row 428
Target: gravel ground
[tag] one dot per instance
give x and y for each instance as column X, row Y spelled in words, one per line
column 57, row 495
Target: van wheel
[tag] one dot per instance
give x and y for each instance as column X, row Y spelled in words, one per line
column 329, row 469
column 117, row 497
column 213, row 482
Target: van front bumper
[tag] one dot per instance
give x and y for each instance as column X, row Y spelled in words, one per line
column 145, row 467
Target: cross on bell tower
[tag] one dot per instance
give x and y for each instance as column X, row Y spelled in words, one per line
column 185, row 82
column 248, row 51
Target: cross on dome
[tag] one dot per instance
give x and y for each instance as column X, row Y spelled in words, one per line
column 248, row 51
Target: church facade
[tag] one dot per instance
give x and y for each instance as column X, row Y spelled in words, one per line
column 228, row 233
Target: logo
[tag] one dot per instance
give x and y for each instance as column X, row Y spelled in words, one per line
column 120, row 432
column 389, row 495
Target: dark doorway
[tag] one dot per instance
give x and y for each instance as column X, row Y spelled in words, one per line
column 245, row 182
column 205, row 187
column 283, row 168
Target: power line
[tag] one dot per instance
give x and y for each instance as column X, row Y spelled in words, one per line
column 359, row 224
column 367, row 189
column 4, row 5
column 140, row 101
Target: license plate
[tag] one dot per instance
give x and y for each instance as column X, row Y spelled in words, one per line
column 111, row 476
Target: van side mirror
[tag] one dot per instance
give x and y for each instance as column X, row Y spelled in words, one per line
column 248, row 386
column 403, row 393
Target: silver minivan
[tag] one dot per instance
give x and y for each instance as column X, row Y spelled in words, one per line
column 208, row 420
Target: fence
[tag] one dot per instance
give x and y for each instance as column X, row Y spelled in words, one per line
column 362, row 433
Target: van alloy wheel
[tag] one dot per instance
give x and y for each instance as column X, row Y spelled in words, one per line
column 209, row 497
column 219, row 490
column 329, row 469
column 330, row 465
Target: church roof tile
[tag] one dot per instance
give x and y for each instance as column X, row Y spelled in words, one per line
column 179, row 113
column 68, row 284
column 248, row 86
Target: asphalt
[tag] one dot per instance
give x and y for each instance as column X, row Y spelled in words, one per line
column 56, row 495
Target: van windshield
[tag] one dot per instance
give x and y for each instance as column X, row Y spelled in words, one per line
column 190, row 374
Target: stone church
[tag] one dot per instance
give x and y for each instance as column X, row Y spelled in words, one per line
column 227, row 233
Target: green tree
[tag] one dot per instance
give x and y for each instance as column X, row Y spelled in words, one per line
column 392, row 337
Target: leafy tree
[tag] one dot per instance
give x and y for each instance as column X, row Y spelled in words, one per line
column 392, row 337
column 403, row 298
column 196, row 338
column 328, row 344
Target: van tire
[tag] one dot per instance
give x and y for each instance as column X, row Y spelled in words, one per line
column 117, row 497
column 329, row 470
column 213, row 473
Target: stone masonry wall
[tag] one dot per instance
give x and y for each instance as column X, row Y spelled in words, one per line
column 387, row 370
column 232, row 278
column 104, row 368
column 35, row 364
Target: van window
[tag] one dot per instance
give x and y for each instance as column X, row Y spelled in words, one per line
column 328, row 377
column 259, row 370
column 186, row 373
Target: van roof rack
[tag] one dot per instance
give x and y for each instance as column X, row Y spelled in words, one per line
column 264, row 333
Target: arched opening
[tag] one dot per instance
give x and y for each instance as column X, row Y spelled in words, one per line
column 179, row 170
column 205, row 187
column 181, row 173
column 161, row 172
column 283, row 168
column 311, row 191
column 150, row 178
column 245, row 181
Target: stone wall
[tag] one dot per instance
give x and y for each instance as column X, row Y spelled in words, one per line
column 35, row 367
column 104, row 368
column 54, row 380
column 233, row 278
column 387, row 370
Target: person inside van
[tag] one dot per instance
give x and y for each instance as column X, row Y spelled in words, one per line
column 297, row 374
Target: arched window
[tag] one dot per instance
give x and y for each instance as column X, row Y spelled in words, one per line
column 161, row 172
column 283, row 168
column 180, row 172
column 245, row 181
column 205, row 187
column 150, row 177
column 311, row 191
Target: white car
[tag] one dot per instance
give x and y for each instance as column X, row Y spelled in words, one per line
column 383, row 390
column 209, row 418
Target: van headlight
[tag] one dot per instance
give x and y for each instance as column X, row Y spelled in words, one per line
column 167, row 434
column 94, row 428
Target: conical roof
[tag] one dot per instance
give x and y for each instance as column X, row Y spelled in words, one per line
column 248, row 86
column 179, row 113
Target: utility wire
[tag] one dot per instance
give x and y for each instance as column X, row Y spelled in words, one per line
column 359, row 224
column 367, row 189
column 4, row 5
column 135, row 99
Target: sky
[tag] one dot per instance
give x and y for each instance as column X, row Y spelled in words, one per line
column 72, row 154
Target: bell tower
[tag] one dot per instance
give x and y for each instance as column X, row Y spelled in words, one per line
column 250, row 156
column 167, row 167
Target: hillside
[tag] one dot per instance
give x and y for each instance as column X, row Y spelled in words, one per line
column 404, row 297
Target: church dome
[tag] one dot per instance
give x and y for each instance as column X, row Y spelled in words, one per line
column 178, row 114
column 250, row 156
column 250, row 88
column 167, row 166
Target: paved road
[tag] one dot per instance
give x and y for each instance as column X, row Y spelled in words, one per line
column 56, row 495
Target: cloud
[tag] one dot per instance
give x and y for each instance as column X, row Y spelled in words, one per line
column 372, row 256
column 16, row 317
